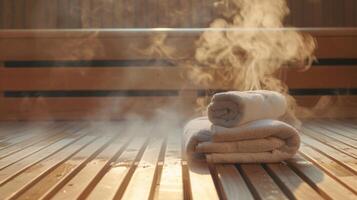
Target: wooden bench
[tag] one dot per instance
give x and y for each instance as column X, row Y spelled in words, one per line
column 90, row 74
column 106, row 160
column 78, row 75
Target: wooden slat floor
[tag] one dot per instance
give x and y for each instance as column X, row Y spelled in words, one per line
column 119, row 160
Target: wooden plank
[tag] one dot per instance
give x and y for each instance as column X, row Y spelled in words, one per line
column 12, row 171
column 11, row 141
column 93, row 170
column 13, row 131
column 163, row 77
column 339, row 11
column 141, row 183
column 347, row 123
column 232, row 183
column 79, row 161
column 291, row 183
column 39, row 14
column 74, row 14
column 145, row 14
column 29, row 7
column 14, row 188
column 34, row 139
column 140, row 12
column 111, row 182
column 324, row 184
column 349, row 150
column 164, row 9
column 81, row 108
column 8, row 14
column 299, row 19
column 87, row 48
column 321, row 76
column 342, row 47
column 344, row 159
column 349, row 13
column 1, row 17
column 109, row 45
column 342, row 130
column 118, row 7
column 69, row 14
column 107, row 14
column 170, row 185
column 63, row 14
column 335, row 131
column 317, row 13
column 128, row 13
column 63, row 172
column 331, row 167
column 132, row 78
column 337, row 109
column 201, row 182
column 260, row 182
column 326, row 13
column 96, row 11
column 85, row 14
column 19, row 14
column 19, row 156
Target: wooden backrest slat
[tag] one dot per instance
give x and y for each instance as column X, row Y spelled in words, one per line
column 76, row 74
column 154, row 78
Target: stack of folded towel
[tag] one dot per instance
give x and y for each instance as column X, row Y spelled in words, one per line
column 242, row 127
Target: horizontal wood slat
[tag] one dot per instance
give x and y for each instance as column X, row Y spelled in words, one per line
column 133, row 78
column 323, row 77
column 128, row 44
column 105, row 108
column 153, row 78
column 95, row 108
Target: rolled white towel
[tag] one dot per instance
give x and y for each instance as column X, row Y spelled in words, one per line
column 261, row 141
column 234, row 108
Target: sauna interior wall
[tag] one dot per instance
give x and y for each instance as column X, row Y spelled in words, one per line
column 28, row 14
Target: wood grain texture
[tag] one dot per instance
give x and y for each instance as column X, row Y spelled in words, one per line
column 170, row 185
column 201, row 181
column 291, row 183
column 323, row 183
column 262, row 184
column 98, row 160
column 154, row 78
column 115, row 177
column 344, row 159
column 87, row 108
column 304, row 13
column 344, row 176
column 232, row 184
column 82, row 160
column 108, row 45
column 27, row 180
column 18, row 14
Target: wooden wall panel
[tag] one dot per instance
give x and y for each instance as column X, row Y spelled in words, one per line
column 7, row 13
column 350, row 12
column 93, row 108
column 19, row 13
column 114, row 45
column 157, row 13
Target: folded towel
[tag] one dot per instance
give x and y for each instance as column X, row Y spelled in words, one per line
column 234, row 108
column 261, row 141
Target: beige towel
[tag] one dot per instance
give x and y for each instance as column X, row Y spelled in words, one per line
column 234, row 108
column 261, row 141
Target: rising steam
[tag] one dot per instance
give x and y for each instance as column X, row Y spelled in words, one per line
column 247, row 47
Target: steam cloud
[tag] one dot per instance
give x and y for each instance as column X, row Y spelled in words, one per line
column 247, row 47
